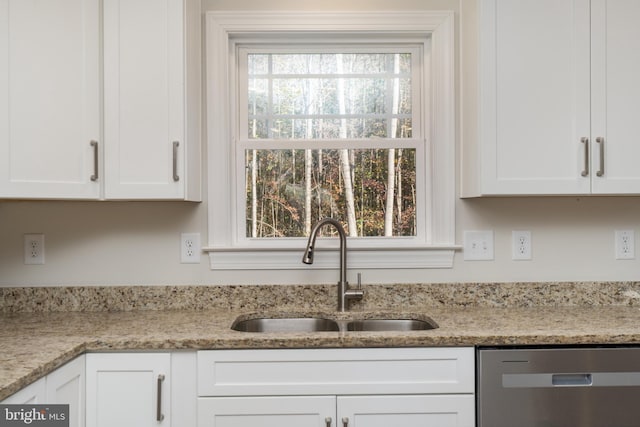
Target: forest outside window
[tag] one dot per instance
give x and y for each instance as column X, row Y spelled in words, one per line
column 345, row 125
column 305, row 111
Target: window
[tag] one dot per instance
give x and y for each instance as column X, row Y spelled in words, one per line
column 302, row 112
column 342, row 115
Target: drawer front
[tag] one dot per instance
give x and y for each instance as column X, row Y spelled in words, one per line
column 335, row 371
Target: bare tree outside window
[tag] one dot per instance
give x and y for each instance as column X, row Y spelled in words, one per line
column 308, row 99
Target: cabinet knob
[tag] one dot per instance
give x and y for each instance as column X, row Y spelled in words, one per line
column 327, row 421
column 345, row 422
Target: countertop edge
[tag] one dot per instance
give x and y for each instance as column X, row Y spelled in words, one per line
column 57, row 338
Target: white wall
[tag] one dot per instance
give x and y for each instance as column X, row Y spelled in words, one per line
column 137, row 243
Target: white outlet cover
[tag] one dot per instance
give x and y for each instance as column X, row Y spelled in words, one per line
column 34, row 249
column 521, row 245
column 478, row 245
column 625, row 244
column 190, row 248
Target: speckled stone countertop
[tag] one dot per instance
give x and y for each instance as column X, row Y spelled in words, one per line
column 35, row 342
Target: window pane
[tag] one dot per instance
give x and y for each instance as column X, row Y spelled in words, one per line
column 354, row 95
column 287, row 191
column 329, row 128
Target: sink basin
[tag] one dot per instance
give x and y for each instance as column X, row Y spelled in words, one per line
column 287, row 324
column 390, row 325
column 317, row 322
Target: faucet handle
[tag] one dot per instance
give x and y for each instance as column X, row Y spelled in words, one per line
column 356, row 293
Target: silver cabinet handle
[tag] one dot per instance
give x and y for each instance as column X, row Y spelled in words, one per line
column 345, row 422
column 327, row 421
column 600, row 141
column 585, row 141
column 176, row 144
column 94, row 144
column 159, row 414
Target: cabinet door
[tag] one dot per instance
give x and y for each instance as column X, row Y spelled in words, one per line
column 534, row 96
column 616, row 110
column 49, row 98
column 144, row 96
column 299, row 411
column 127, row 389
column 33, row 394
column 66, row 385
column 406, row 411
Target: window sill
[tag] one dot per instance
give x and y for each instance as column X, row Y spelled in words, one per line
column 361, row 258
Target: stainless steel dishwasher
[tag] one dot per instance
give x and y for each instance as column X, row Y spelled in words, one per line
column 558, row 387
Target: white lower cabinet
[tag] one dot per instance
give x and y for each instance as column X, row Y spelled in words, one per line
column 128, row 389
column 381, row 387
column 33, row 394
column 141, row 389
column 406, row 411
column 337, row 387
column 65, row 385
column 279, row 411
column 337, row 411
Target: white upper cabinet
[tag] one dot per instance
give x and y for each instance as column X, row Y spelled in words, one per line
column 615, row 97
column 100, row 99
column 556, row 89
column 49, row 98
column 148, row 71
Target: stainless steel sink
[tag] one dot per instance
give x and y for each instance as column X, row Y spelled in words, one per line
column 390, row 325
column 281, row 322
column 288, row 324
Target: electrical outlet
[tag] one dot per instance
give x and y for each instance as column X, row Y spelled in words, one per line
column 34, row 249
column 521, row 245
column 478, row 245
column 625, row 244
column 190, row 248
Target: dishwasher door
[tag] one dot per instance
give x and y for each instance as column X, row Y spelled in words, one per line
column 559, row 387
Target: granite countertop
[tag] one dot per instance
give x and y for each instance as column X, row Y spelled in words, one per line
column 33, row 344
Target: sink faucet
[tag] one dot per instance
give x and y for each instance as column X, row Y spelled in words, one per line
column 344, row 293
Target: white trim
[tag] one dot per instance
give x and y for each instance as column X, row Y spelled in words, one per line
column 224, row 27
column 359, row 258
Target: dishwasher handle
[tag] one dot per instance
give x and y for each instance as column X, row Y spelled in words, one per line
column 571, row 380
column 593, row 379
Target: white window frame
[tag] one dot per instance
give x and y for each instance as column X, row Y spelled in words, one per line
column 227, row 29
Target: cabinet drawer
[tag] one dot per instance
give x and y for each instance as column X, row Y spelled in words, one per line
column 335, row 371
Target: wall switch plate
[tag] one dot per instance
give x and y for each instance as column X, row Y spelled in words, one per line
column 34, row 249
column 190, row 248
column 625, row 244
column 478, row 245
column 521, row 245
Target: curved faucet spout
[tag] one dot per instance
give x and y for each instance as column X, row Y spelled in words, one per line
column 344, row 293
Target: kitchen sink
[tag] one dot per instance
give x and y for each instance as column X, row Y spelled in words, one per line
column 285, row 324
column 280, row 322
column 390, row 325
